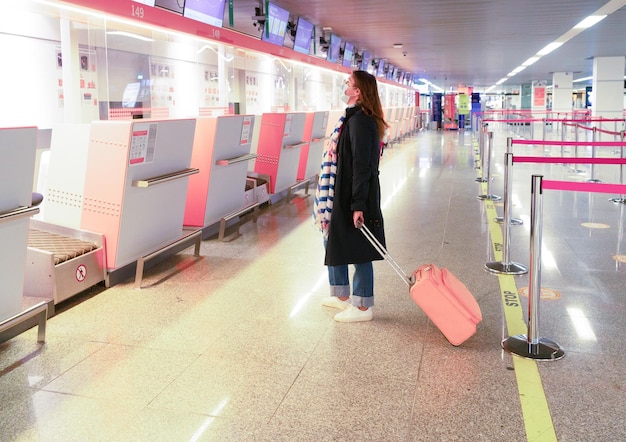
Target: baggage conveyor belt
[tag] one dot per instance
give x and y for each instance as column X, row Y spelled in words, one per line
column 63, row 248
column 62, row 261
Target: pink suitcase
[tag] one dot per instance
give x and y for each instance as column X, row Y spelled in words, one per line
column 444, row 299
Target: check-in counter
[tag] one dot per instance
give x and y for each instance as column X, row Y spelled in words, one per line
column 221, row 152
column 315, row 128
column 136, row 185
column 281, row 139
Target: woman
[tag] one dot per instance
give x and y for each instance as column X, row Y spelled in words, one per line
column 349, row 195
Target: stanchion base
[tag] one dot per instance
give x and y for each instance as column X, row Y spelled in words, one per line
column 514, row 221
column 618, row 200
column 544, row 350
column 489, row 197
column 577, row 171
column 594, row 180
column 511, row 268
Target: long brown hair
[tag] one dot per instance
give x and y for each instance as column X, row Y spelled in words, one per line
column 369, row 99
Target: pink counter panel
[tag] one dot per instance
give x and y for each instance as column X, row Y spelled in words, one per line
column 281, row 138
column 17, row 166
column 135, row 186
column 315, row 128
column 221, row 152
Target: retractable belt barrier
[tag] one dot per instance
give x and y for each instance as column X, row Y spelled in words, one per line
column 531, row 345
column 575, row 123
column 512, row 268
column 582, row 160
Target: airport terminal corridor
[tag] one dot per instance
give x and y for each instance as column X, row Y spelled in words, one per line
column 234, row 345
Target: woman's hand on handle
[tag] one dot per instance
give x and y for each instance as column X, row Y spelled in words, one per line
column 357, row 217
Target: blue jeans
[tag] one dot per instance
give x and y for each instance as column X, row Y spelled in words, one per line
column 363, row 283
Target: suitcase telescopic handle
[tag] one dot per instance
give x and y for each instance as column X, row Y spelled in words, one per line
column 409, row 280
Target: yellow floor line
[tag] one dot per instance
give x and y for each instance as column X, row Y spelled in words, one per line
column 535, row 411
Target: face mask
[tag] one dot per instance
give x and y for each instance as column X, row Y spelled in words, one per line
column 344, row 97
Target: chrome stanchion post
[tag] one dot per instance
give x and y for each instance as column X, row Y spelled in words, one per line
column 534, row 288
column 574, row 169
column 506, row 266
column 531, row 346
column 593, row 178
column 487, row 179
column 507, row 184
column 563, row 136
column 620, row 199
column 480, row 164
column 620, row 235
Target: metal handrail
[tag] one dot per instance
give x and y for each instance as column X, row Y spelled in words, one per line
column 295, row 146
column 20, row 212
column 165, row 178
column 229, row 161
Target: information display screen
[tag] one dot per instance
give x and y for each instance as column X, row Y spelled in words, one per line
column 176, row 6
column 304, row 35
column 348, row 54
column 381, row 68
column 210, row 12
column 276, row 26
column 333, row 49
column 365, row 62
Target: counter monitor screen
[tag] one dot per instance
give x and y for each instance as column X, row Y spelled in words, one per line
column 276, row 25
column 365, row 62
column 210, row 12
column 333, row 49
column 176, row 6
column 348, row 53
column 381, row 68
column 304, row 34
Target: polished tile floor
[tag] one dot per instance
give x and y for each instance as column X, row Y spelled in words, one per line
column 235, row 346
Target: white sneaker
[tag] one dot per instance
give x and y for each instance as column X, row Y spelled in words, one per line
column 354, row 314
column 335, row 302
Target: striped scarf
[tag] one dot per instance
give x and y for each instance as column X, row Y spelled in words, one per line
column 323, row 204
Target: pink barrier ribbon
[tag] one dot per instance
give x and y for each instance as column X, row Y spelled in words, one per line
column 584, row 187
column 571, row 143
column 568, row 160
column 552, row 120
column 525, row 120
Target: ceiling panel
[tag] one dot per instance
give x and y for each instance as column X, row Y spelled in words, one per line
column 464, row 42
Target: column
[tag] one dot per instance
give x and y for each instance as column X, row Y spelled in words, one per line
column 562, row 94
column 526, row 99
column 608, row 90
column 538, row 107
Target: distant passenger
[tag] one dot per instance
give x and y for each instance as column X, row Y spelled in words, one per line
column 348, row 195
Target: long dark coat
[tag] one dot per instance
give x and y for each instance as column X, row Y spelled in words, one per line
column 356, row 188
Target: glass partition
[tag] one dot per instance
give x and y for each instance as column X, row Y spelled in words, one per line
column 74, row 66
